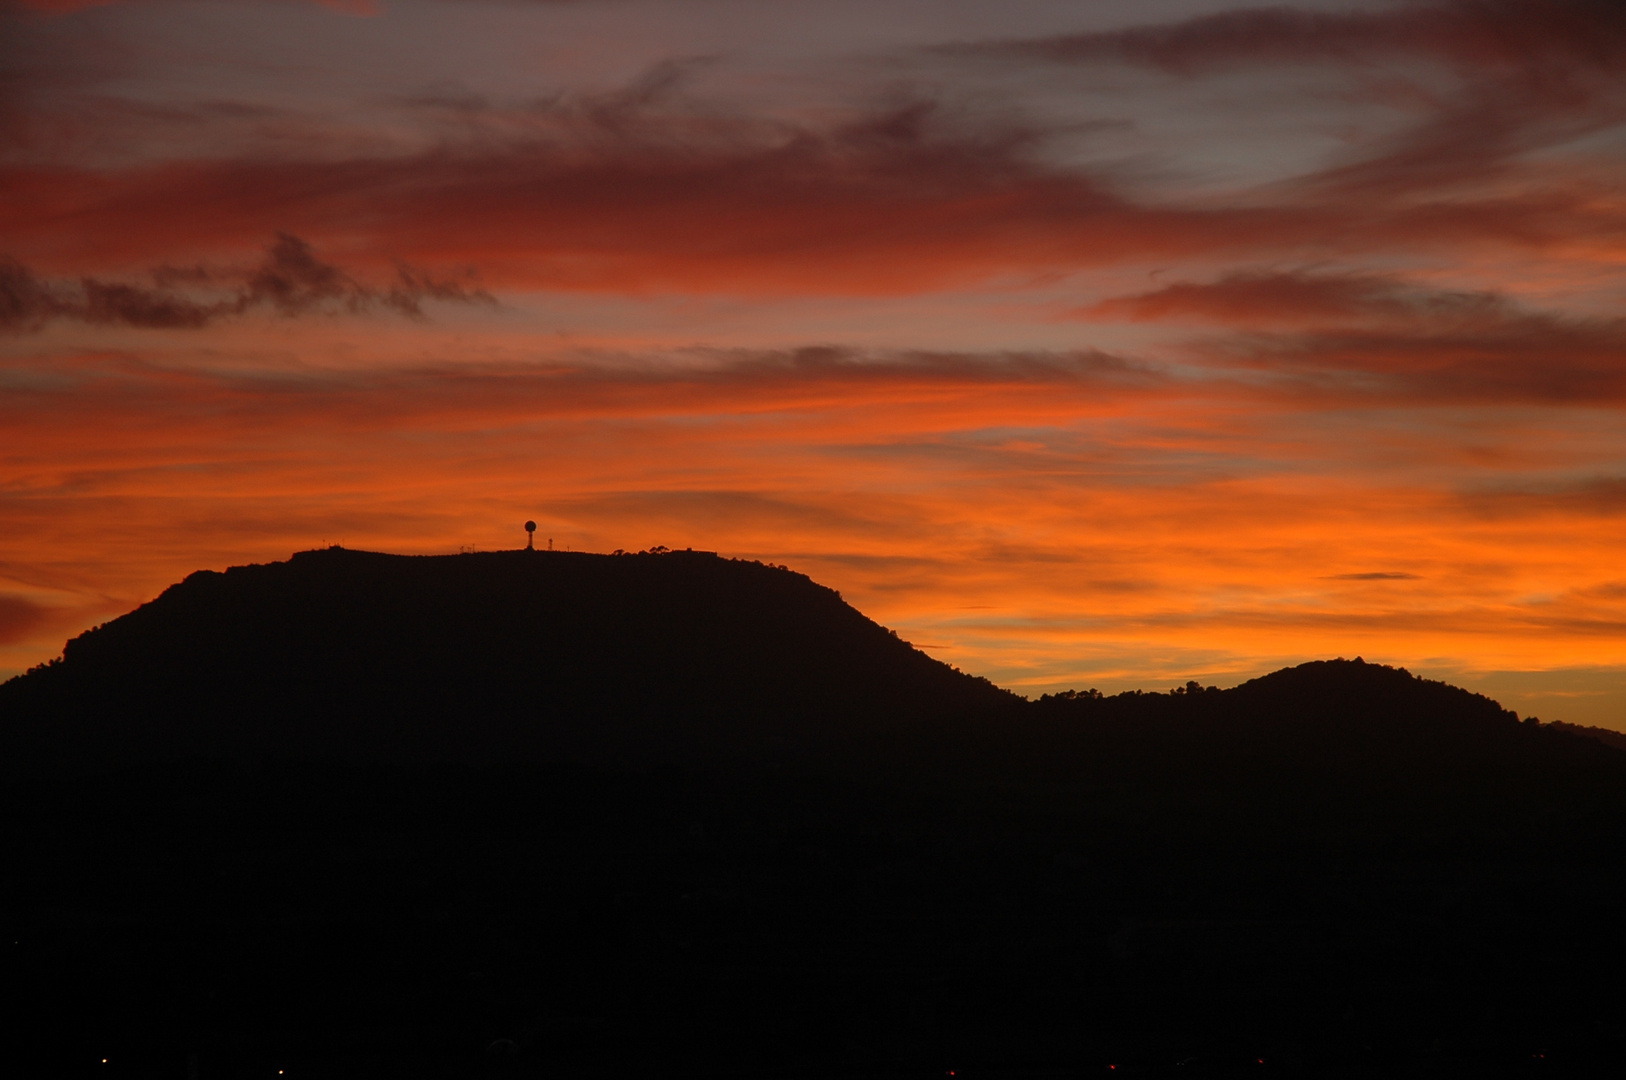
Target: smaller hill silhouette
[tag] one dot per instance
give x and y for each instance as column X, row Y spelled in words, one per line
column 1365, row 749
column 1333, row 712
column 1607, row 736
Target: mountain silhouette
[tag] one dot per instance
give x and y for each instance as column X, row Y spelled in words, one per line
column 654, row 659
column 683, row 658
column 572, row 815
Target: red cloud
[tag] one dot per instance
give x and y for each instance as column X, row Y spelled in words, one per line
column 844, row 215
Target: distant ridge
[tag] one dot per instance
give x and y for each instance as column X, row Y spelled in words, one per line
column 1607, row 736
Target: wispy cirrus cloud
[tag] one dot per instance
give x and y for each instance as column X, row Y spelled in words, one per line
column 1523, row 76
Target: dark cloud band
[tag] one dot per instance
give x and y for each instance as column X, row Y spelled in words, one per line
column 291, row 280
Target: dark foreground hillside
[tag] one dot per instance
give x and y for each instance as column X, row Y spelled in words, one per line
column 570, row 816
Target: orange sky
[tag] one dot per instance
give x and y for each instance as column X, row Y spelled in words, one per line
column 1092, row 345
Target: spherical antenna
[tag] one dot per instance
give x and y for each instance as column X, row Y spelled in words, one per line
column 530, row 536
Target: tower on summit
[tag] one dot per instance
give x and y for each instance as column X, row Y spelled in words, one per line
column 530, row 536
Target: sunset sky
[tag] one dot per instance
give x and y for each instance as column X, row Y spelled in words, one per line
column 1084, row 343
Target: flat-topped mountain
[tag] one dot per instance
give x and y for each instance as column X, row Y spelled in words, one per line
column 671, row 658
